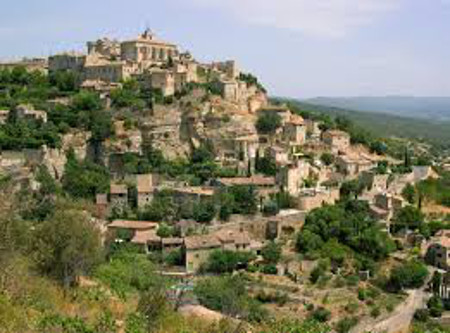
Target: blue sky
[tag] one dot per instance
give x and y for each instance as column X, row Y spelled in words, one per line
column 298, row 48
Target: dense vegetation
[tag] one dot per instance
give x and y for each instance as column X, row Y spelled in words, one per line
column 343, row 231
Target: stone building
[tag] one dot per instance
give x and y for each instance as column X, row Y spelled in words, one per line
column 193, row 194
column 337, row 140
column 162, row 79
column 295, row 130
column 118, row 196
column 199, row 248
column 438, row 252
column 97, row 68
column 67, row 62
column 352, row 166
column 145, row 185
column 104, row 47
column 132, row 228
column 313, row 128
column 310, row 199
column 292, row 176
column 31, row 65
column 27, row 111
column 148, row 50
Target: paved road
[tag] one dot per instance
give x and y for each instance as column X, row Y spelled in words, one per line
column 400, row 319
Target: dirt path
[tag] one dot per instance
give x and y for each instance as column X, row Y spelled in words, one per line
column 400, row 319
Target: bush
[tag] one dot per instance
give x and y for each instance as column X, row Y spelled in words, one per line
column 271, row 253
column 269, row 269
column 375, row 312
column 435, row 306
column 422, row 315
column 268, row 123
column 411, row 274
column 321, row 315
column 346, row 324
column 225, row 261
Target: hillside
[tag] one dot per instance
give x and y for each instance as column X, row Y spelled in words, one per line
column 428, row 108
column 385, row 125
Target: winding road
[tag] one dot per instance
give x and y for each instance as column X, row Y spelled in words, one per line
column 400, row 319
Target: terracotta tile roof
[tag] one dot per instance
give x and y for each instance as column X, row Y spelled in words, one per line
column 136, row 225
column 256, row 180
column 118, row 189
column 202, row 242
column 233, row 236
column 145, row 236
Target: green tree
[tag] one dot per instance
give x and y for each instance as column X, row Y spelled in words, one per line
column 271, row 253
column 268, row 123
column 409, row 193
column 66, row 246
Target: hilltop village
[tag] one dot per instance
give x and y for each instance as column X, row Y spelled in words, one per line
column 191, row 166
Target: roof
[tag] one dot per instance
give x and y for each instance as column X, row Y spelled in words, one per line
column 207, row 191
column 335, row 133
column 172, row 241
column 118, row 189
column 256, row 180
column 202, row 242
column 296, row 120
column 144, row 183
column 136, row 225
column 233, row 236
column 145, row 236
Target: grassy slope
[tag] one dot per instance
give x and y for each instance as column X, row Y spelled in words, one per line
column 388, row 125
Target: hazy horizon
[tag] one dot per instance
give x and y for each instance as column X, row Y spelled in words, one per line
column 298, row 48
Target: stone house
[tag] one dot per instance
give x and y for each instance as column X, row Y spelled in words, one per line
column 385, row 205
column 279, row 154
column 310, row 199
column 145, row 185
column 337, row 140
column 438, row 252
column 295, row 130
column 97, row 68
column 265, row 186
column 352, row 166
column 375, row 182
column 118, row 196
column 193, row 194
column 164, row 80
column 312, row 128
column 27, row 111
column 291, row 177
column 283, row 111
column 131, row 228
column 198, row 248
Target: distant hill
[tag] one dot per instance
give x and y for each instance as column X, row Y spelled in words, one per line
column 387, row 125
column 432, row 108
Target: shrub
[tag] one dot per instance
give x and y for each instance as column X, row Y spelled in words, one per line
column 346, row 324
column 321, row 315
column 422, row 315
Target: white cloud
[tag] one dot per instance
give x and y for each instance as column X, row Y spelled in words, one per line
column 327, row 18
